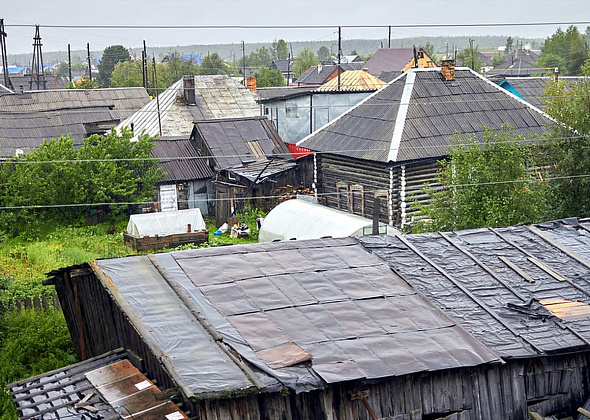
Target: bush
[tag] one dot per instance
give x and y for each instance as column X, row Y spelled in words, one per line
column 31, row 342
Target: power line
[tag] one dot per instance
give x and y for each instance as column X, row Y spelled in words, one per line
column 321, row 195
column 417, row 25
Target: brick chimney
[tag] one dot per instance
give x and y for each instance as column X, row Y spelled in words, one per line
column 188, row 88
column 447, row 70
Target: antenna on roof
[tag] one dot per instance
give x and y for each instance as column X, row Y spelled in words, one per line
column 37, row 68
column 7, row 81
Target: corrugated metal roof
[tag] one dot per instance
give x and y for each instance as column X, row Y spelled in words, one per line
column 519, row 62
column 125, row 100
column 306, row 313
column 353, row 80
column 180, row 160
column 433, row 110
column 27, row 131
column 503, row 285
column 532, row 88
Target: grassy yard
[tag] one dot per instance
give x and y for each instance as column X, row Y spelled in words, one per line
column 36, row 341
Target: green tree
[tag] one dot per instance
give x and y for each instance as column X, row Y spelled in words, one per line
column 305, row 59
column 566, row 50
column 176, row 66
column 260, row 58
column 266, row 77
column 110, row 57
column 213, row 64
column 324, row 53
column 509, row 44
column 428, row 49
column 279, row 50
column 487, row 183
column 470, row 59
column 568, row 103
column 127, row 74
column 56, row 175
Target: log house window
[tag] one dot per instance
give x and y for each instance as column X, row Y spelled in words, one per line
column 357, row 199
column 342, row 195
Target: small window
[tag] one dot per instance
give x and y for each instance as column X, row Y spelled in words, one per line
column 357, row 200
column 292, row 111
column 342, row 195
column 255, row 148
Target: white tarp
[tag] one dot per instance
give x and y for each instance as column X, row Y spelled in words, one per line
column 300, row 219
column 165, row 223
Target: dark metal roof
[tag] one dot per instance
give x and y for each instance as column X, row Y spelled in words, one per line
column 238, row 144
column 518, row 63
column 389, row 59
column 388, row 76
column 275, row 93
column 301, row 313
column 522, row 291
column 51, row 82
column 318, row 75
column 432, row 111
column 286, row 66
column 532, row 88
column 187, row 167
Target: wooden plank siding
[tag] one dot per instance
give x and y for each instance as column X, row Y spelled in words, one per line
column 337, row 174
column 552, row 384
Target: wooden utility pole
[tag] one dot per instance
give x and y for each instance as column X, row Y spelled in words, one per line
column 7, row 81
column 157, row 96
column 244, row 61
column 69, row 64
column 339, row 54
column 89, row 65
column 389, row 37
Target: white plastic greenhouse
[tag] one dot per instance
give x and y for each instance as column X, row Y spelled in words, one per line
column 165, row 229
column 300, row 219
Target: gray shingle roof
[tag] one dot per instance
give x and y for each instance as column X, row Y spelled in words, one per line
column 521, row 291
column 187, row 167
column 431, row 110
column 532, row 88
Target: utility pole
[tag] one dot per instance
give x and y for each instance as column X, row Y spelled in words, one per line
column 157, row 96
column 244, row 61
column 389, row 37
column 472, row 57
column 89, row 65
column 144, row 66
column 7, row 81
column 339, row 53
column 37, row 68
column 69, row 64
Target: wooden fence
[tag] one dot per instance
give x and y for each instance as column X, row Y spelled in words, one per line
column 38, row 303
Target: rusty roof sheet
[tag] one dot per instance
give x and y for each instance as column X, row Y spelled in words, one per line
column 304, row 313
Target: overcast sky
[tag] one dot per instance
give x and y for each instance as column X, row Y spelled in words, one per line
column 271, row 12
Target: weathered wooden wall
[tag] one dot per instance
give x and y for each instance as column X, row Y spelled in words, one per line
column 551, row 385
column 345, row 182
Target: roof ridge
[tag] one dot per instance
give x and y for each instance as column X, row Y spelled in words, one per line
column 400, row 119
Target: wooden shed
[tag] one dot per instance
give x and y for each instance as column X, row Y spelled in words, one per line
column 471, row 325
